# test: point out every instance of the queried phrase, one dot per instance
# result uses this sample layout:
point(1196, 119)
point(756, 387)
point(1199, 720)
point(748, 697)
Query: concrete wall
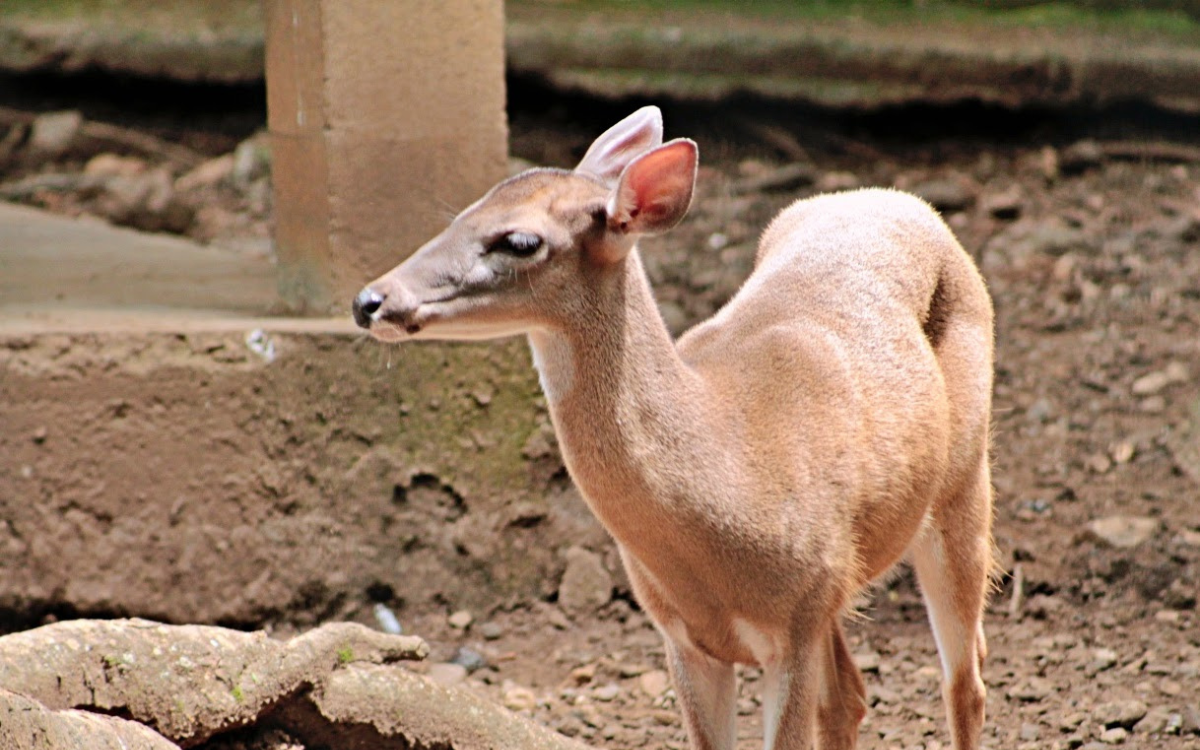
point(387, 118)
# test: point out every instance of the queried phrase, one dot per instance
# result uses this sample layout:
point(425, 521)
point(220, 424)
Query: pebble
point(1080, 157)
point(1153, 382)
point(654, 683)
point(1055, 240)
point(583, 675)
point(586, 584)
point(461, 620)
point(1123, 713)
point(1189, 721)
point(607, 693)
point(1029, 732)
point(491, 631)
point(1113, 736)
point(1033, 691)
point(517, 698)
point(1102, 659)
point(53, 133)
point(947, 195)
point(867, 662)
point(1123, 532)
point(1154, 722)
point(387, 620)
point(469, 659)
point(1006, 205)
point(207, 174)
point(447, 674)
point(112, 165)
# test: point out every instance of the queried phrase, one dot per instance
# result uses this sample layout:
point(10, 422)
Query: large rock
point(335, 686)
point(26, 724)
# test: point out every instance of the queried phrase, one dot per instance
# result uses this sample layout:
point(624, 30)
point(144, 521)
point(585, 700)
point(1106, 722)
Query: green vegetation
point(1175, 18)
point(345, 655)
point(237, 693)
point(144, 15)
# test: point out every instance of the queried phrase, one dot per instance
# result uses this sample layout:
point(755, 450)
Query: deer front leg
point(706, 690)
point(791, 689)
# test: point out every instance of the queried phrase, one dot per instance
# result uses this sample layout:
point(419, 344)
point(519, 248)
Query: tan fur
point(761, 471)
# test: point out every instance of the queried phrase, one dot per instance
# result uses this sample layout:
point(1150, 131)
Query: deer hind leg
point(842, 701)
point(707, 693)
point(953, 561)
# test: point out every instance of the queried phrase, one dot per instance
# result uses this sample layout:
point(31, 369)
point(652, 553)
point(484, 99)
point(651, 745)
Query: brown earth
point(1091, 253)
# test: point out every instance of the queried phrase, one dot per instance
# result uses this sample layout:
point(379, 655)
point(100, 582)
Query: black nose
point(365, 305)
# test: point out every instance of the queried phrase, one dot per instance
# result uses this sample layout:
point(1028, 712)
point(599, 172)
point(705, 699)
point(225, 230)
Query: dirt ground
point(1091, 249)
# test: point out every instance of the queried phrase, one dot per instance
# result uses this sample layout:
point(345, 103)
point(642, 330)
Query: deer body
point(761, 471)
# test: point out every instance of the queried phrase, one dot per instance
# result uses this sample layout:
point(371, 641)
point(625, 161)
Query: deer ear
point(622, 143)
point(655, 190)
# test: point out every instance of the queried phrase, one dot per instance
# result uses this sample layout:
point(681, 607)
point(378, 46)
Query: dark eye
point(520, 244)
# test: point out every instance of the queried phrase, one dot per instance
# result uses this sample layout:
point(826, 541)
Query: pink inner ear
point(659, 181)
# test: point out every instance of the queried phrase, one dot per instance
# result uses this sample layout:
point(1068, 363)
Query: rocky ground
point(1089, 242)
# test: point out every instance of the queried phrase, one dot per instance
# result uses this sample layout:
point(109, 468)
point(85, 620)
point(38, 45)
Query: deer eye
point(520, 244)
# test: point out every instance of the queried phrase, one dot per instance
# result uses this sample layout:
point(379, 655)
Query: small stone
point(1056, 240)
point(54, 133)
point(461, 620)
point(1099, 463)
point(1040, 411)
point(867, 662)
point(654, 683)
point(880, 694)
point(583, 675)
point(517, 698)
point(1122, 452)
point(1189, 722)
point(1029, 732)
point(1168, 616)
point(607, 693)
point(1124, 713)
point(1080, 157)
point(1033, 691)
point(469, 659)
point(1123, 532)
point(1006, 205)
point(833, 182)
point(1102, 659)
point(387, 620)
point(1072, 721)
point(208, 174)
point(557, 619)
point(948, 194)
point(1154, 722)
point(628, 669)
point(1153, 382)
point(491, 631)
point(586, 584)
point(1153, 405)
point(111, 165)
point(447, 675)
point(1113, 736)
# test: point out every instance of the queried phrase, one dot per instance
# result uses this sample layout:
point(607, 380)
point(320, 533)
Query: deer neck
point(628, 412)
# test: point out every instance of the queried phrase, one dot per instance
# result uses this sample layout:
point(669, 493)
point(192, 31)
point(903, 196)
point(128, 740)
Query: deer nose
point(366, 304)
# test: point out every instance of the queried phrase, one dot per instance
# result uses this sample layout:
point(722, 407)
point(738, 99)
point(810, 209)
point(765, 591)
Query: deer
point(762, 471)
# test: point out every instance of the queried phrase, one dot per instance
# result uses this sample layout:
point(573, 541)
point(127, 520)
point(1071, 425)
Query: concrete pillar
point(386, 119)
